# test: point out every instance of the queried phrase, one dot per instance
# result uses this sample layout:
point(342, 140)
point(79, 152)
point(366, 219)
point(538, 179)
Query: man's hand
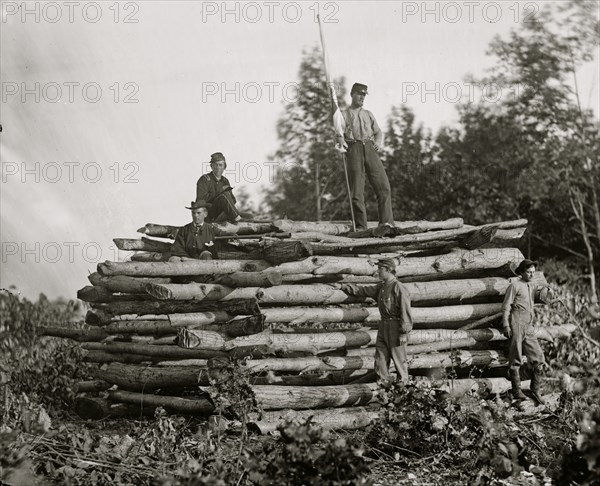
point(376, 147)
point(507, 331)
point(341, 146)
point(346, 288)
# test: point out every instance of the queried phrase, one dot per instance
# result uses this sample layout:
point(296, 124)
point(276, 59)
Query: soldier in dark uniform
point(362, 140)
point(196, 240)
point(393, 300)
point(215, 189)
point(518, 326)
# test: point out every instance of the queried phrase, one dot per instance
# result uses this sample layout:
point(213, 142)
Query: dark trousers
point(362, 160)
point(222, 209)
point(391, 345)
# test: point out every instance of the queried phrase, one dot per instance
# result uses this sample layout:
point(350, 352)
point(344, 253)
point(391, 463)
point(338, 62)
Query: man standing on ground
point(362, 140)
point(393, 300)
point(518, 326)
point(215, 189)
point(195, 241)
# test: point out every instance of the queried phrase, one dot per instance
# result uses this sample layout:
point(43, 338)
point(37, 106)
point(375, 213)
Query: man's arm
point(362, 290)
point(506, 308)
point(404, 310)
point(203, 188)
point(178, 248)
point(377, 133)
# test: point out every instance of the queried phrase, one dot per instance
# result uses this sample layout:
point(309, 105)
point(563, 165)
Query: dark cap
point(387, 263)
point(524, 265)
point(199, 203)
point(359, 88)
point(216, 157)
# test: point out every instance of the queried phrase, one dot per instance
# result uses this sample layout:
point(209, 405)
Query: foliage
point(305, 454)
point(309, 183)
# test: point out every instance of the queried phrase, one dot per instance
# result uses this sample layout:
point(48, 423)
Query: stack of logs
point(160, 330)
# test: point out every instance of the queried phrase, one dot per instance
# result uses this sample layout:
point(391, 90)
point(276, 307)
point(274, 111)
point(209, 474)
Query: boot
point(535, 386)
point(515, 380)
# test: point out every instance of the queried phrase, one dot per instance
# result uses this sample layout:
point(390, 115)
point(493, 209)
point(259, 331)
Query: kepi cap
point(359, 88)
point(216, 157)
point(387, 263)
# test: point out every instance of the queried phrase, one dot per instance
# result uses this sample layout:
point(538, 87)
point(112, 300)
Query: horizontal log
point(296, 316)
point(195, 406)
point(328, 419)
point(240, 228)
point(89, 408)
point(105, 357)
point(149, 257)
point(145, 244)
point(458, 359)
point(232, 306)
point(123, 283)
point(85, 334)
point(274, 397)
point(162, 351)
point(249, 279)
point(139, 378)
point(181, 269)
point(335, 228)
point(91, 293)
point(443, 290)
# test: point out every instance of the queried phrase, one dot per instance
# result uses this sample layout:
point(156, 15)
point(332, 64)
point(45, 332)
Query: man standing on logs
point(362, 140)
point(518, 316)
point(215, 189)
point(393, 300)
point(195, 241)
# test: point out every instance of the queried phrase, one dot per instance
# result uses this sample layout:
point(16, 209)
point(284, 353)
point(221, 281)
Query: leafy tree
point(309, 183)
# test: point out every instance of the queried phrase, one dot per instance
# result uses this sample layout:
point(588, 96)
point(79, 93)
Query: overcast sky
point(110, 111)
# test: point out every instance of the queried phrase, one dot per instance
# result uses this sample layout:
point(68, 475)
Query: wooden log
point(123, 283)
point(163, 351)
point(478, 238)
point(481, 322)
point(282, 251)
point(328, 419)
point(195, 406)
point(77, 334)
point(420, 292)
point(91, 386)
point(105, 357)
point(240, 228)
point(181, 269)
point(232, 306)
point(274, 397)
point(145, 244)
point(89, 408)
point(249, 279)
point(149, 257)
point(91, 293)
point(140, 378)
point(462, 358)
point(338, 228)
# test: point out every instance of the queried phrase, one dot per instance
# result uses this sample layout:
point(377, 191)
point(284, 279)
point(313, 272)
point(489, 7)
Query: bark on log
point(195, 406)
point(435, 360)
point(145, 244)
point(421, 292)
point(240, 228)
point(99, 408)
point(249, 279)
point(123, 283)
point(91, 293)
point(140, 378)
point(481, 322)
point(105, 357)
point(181, 269)
point(162, 351)
point(338, 228)
point(86, 334)
point(232, 306)
point(278, 251)
point(149, 257)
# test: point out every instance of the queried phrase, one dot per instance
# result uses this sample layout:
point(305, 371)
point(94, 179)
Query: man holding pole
point(362, 139)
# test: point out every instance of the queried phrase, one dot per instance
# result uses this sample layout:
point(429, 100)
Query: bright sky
point(110, 110)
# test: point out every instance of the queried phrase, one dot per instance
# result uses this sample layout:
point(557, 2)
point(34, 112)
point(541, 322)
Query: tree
point(309, 181)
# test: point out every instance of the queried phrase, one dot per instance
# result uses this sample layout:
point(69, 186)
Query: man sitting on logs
point(518, 316)
point(195, 241)
point(215, 189)
point(393, 300)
